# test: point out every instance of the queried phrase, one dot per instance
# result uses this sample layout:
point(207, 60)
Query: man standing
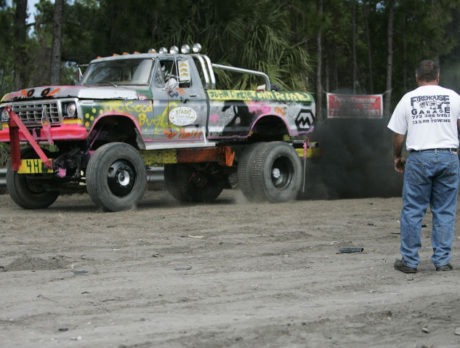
point(430, 116)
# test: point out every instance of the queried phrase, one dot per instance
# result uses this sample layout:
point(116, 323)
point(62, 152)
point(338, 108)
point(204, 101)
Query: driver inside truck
point(165, 76)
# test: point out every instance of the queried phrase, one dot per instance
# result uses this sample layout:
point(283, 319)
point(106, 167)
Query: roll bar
point(208, 71)
point(246, 71)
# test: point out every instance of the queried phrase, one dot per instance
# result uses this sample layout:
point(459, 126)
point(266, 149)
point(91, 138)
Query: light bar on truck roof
point(185, 49)
point(196, 48)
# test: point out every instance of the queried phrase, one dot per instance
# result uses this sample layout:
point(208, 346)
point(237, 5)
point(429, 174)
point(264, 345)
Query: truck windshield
point(118, 72)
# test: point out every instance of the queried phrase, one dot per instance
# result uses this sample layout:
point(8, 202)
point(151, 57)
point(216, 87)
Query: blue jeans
point(430, 177)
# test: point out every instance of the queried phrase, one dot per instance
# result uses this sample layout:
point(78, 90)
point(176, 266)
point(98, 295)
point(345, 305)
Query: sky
point(31, 10)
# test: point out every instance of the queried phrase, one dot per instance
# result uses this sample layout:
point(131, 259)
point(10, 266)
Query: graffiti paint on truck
point(169, 123)
point(260, 95)
point(141, 111)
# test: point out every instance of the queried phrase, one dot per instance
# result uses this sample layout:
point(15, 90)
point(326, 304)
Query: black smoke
point(355, 160)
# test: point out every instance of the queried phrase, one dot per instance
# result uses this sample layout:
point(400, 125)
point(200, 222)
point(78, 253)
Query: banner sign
point(354, 106)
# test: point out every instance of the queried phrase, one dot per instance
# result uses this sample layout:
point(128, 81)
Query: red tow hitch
point(16, 125)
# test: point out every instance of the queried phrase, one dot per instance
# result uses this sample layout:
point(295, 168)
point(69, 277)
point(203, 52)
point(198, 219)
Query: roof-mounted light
point(185, 49)
point(163, 50)
point(196, 48)
point(174, 50)
point(152, 50)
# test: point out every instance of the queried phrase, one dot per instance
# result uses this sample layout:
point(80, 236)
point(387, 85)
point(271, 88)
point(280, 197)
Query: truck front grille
point(31, 113)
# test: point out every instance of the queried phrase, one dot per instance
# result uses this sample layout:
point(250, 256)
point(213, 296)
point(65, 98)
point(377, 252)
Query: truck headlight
point(70, 110)
point(4, 117)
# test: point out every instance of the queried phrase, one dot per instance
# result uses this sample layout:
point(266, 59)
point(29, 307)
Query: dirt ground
point(227, 274)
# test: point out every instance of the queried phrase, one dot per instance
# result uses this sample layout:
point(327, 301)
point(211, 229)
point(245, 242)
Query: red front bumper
point(61, 132)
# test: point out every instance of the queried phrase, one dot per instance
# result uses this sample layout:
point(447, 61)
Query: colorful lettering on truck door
point(179, 101)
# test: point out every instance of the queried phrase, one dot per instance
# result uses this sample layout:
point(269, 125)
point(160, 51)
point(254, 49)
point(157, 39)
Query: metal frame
point(203, 68)
point(16, 126)
point(246, 71)
point(211, 71)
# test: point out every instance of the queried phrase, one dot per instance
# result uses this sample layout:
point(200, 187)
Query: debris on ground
point(350, 250)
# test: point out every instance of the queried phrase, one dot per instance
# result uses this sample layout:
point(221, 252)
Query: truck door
point(179, 105)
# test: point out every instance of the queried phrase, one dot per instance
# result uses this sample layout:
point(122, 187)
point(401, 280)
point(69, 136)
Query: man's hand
point(399, 164)
point(398, 160)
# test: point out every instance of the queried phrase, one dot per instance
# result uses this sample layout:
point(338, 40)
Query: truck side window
point(168, 73)
point(165, 72)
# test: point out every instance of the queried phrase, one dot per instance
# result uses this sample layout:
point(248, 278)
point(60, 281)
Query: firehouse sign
point(354, 106)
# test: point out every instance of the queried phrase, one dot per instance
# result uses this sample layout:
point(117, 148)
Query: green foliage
point(277, 37)
point(6, 41)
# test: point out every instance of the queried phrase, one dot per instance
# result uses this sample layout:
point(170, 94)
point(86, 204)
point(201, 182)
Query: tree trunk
point(387, 106)
point(353, 28)
point(404, 38)
point(319, 86)
point(19, 45)
point(369, 47)
point(336, 76)
point(154, 30)
point(55, 69)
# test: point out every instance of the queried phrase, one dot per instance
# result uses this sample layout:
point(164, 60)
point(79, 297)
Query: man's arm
point(398, 161)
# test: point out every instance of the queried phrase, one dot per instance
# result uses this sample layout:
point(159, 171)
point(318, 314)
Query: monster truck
point(134, 111)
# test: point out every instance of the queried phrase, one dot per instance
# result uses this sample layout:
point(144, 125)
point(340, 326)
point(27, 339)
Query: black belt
point(442, 149)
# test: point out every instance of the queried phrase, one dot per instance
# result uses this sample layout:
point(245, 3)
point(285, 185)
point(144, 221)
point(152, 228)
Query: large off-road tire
point(116, 177)
point(29, 191)
point(275, 173)
point(187, 183)
point(245, 163)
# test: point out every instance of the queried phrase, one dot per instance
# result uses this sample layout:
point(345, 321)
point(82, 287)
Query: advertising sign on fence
point(354, 105)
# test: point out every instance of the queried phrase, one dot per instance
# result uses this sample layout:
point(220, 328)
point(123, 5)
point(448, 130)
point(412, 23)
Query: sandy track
point(219, 275)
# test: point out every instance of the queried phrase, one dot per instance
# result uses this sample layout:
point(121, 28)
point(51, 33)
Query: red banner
point(354, 106)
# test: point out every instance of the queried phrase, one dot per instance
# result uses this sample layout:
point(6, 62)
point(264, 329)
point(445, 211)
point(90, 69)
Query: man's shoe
point(400, 266)
point(447, 267)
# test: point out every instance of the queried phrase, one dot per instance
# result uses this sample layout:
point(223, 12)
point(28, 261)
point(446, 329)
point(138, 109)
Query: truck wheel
point(275, 173)
point(244, 170)
point(28, 191)
point(116, 177)
point(189, 184)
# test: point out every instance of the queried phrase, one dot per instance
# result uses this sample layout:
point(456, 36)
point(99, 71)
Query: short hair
point(427, 70)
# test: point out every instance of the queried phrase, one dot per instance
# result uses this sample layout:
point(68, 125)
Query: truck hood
point(81, 92)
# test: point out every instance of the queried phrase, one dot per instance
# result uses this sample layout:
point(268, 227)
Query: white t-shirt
point(429, 116)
